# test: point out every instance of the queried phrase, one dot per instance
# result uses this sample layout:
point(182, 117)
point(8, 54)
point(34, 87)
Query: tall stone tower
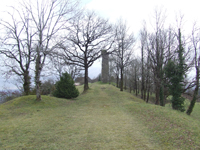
point(105, 66)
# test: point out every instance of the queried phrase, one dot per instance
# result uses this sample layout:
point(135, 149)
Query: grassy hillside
point(102, 118)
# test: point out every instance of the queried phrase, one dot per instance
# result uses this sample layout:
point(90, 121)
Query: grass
point(102, 118)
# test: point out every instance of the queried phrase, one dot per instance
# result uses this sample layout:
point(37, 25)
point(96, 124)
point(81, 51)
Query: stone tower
point(105, 66)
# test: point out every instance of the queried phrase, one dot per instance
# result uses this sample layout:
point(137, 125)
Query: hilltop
point(102, 118)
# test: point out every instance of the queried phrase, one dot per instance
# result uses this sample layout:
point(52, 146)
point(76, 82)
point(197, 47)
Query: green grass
point(102, 118)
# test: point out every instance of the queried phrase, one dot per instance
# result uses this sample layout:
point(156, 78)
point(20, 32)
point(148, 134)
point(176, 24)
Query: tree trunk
point(37, 82)
point(86, 87)
point(136, 88)
point(148, 78)
point(142, 86)
point(136, 84)
point(148, 94)
point(141, 93)
point(117, 81)
point(162, 95)
point(157, 92)
point(38, 69)
point(192, 103)
point(147, 89)
point(136, 91)
point(144, 94)
point(121, 86)
point(38, 95)
point(27, 83)
point(125, 82)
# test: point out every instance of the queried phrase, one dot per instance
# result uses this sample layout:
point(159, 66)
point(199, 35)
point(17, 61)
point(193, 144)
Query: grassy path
point(106, 124)
point(101, 119)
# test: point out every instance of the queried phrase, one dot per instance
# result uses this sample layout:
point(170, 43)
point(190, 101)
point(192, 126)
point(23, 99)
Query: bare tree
point(158, 58)
point(160, 50)
point(114, 68)
point(134, 75)
point(195, 39)
point(48, 18)
point(73, 70)
point(143, 39)
point(60, 66)
point(124, 47)
point(89, 34)
point(148, 77)
point(17, 45)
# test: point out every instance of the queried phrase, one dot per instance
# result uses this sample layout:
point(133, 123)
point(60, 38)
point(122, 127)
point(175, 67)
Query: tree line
point(60, 34)
point(166, 58)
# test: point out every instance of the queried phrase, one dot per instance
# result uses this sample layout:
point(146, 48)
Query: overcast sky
point(134, 12)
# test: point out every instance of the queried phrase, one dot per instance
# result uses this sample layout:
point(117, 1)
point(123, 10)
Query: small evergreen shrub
point(65, 87)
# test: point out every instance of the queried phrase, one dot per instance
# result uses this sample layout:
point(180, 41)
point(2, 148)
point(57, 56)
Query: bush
point(65, 88)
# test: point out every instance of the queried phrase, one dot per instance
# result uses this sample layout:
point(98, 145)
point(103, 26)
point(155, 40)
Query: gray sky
point(134, 12)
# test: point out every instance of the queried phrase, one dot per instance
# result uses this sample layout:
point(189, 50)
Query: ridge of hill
point(102, 118)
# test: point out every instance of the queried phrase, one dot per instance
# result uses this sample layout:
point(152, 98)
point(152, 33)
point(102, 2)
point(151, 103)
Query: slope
point(102, 118)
